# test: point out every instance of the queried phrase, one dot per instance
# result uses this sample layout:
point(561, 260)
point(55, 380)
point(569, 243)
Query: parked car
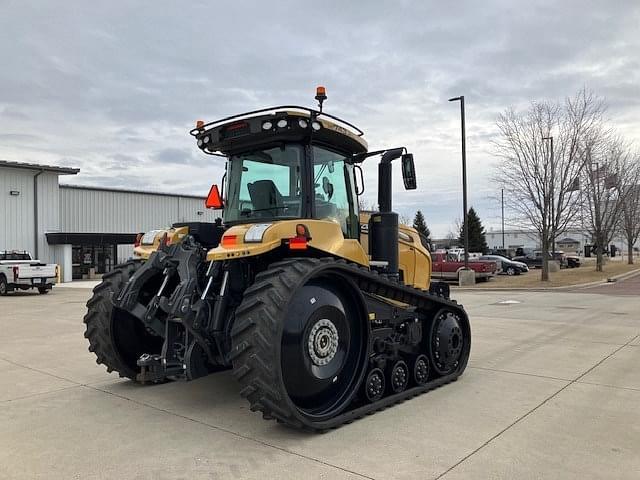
point(18, 271)
point(507, 266)
point(508, 253)
point(447, 267)
point(573, 261)
point(534, 259)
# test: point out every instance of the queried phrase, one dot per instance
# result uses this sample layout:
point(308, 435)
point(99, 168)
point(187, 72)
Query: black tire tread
point(255, 337)
point(98, 319)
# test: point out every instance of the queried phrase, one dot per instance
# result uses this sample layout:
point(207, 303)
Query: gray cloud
point(113, 88)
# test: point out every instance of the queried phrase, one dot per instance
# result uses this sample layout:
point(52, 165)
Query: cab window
point(333, 190)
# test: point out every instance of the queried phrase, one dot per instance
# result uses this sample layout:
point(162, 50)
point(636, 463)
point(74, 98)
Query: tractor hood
point(248, 240)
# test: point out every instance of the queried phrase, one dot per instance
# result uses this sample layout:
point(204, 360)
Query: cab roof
point(276, 125)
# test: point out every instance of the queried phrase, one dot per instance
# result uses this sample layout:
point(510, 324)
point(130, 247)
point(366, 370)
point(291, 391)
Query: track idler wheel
point(374, 385)
point(447, 342)
point(398, 377)
point(421, 370)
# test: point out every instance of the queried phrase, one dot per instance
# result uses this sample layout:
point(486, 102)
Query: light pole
point(464, 181)
point(502, 196)
point(553, 199)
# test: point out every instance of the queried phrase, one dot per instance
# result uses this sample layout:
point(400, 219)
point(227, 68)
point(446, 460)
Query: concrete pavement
point(551, 391)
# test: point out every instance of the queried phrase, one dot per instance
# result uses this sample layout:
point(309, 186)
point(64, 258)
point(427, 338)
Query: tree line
point(477, 235)
point(562, 165)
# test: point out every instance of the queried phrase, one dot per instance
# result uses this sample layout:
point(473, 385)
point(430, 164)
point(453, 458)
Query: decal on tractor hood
point(256, 232)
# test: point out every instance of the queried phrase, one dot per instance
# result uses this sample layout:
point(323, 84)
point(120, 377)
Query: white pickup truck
point(18, 271)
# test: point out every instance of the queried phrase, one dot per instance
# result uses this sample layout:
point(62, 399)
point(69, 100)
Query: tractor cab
point(292, 163)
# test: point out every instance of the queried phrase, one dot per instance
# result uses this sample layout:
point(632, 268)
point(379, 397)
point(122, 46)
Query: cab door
point(406, 257)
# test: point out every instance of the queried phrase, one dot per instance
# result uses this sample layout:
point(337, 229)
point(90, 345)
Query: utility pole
point(464, 181)
point(502, 196)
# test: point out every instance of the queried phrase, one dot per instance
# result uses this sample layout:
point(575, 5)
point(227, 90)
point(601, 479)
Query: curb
point(621, 276)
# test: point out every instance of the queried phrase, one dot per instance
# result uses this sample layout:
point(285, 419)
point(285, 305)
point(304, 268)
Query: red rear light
point(297, 243)
point(229, 240)
point(15, 274)
point(138, 240)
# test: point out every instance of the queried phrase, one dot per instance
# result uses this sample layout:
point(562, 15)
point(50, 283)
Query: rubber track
point(256, 337)
point(98, 318)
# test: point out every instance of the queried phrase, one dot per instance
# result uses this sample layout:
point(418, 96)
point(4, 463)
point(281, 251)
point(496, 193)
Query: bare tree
point(604, 191)
point(630, 217)
point(363, 207)
point(542, 188)
point(405, 220)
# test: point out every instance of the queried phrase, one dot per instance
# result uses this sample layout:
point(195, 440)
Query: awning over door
point(60, 238)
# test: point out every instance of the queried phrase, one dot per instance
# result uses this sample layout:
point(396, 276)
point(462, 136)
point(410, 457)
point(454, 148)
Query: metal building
point(85, 230)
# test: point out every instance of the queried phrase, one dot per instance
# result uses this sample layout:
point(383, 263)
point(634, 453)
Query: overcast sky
point(113, 87)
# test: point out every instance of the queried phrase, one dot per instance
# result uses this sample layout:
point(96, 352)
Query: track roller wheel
point(374, 385)
point(421, 370)
point(398, 377)
point(449, 342)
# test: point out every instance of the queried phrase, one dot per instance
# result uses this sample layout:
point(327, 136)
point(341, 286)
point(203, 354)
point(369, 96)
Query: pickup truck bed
point(25, 274)
point(447, 268)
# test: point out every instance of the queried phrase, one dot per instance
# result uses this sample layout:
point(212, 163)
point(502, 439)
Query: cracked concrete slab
point(54, 428)
point(585, 432)
point(84, 433)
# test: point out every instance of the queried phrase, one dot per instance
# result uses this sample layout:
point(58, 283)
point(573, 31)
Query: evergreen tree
point(420, 225)
point(477, 238)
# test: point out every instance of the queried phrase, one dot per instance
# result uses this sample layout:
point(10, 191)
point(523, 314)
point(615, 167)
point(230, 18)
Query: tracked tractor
point(324, 313)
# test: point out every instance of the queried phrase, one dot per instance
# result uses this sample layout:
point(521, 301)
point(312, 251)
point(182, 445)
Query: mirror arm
point(224, 177)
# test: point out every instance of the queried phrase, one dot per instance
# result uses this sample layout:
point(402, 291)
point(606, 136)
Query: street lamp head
point(547, 138)
point(454, 99)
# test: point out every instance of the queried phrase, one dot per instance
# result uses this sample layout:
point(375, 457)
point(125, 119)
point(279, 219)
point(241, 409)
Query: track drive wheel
point(117, 338)
point(449, 342)
point(299, 342)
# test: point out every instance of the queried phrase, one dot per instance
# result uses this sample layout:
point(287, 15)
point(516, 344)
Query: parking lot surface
point(552, 391)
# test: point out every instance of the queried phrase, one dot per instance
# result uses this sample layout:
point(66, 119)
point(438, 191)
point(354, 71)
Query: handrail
point(311, 112)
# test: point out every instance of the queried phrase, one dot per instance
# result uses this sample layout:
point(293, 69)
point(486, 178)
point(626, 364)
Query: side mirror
point(359, 180)
point(408, 172)
point(214, 200)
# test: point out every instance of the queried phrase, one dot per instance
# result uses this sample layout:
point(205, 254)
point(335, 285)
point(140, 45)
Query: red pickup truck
point(446, 267)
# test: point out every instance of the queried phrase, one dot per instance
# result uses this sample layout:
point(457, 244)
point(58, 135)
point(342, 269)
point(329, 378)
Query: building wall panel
point(48, 213)
point(16, 211)
point(94, 211)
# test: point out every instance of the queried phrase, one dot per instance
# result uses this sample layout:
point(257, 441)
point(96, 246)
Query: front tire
point(511, 271)
point(116, 338)
point(43, 290)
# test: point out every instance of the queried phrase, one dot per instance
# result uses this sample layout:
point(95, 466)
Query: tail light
point(138, 240)
point(229, 240)
point(15, 274)
point(297, 243)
